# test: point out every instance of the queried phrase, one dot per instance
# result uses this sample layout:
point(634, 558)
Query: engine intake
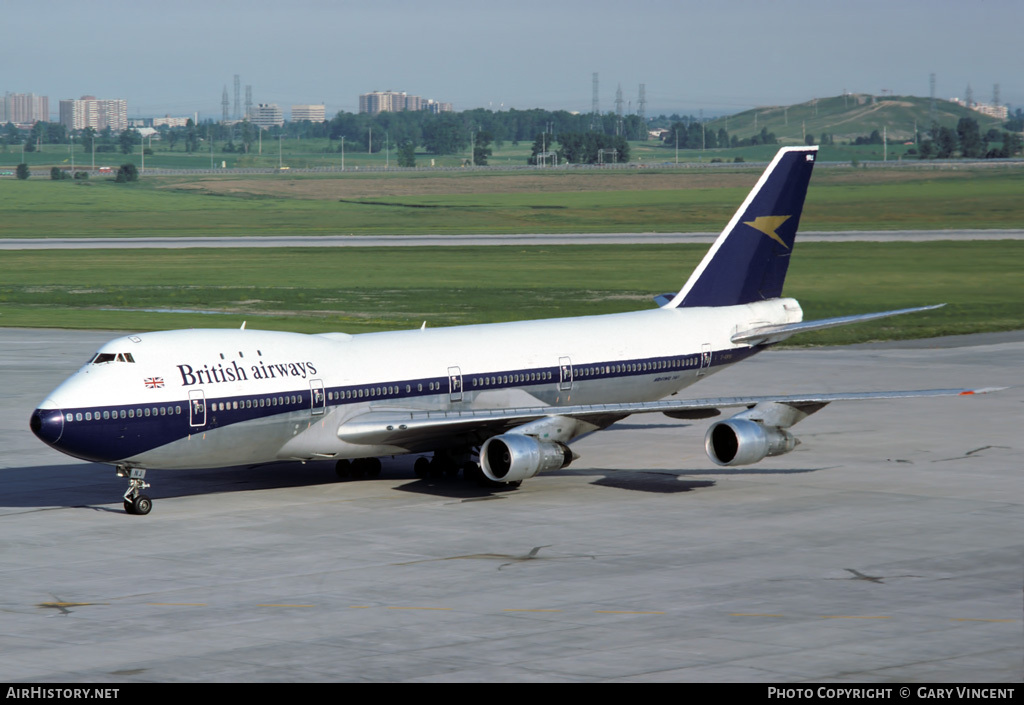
point(514, 457)
point(739, 441)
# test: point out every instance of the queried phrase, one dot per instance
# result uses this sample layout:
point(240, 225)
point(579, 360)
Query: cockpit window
point(100, 358)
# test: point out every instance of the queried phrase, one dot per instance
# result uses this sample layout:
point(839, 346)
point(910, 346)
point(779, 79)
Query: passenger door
point(196, 408)
point(317, 397)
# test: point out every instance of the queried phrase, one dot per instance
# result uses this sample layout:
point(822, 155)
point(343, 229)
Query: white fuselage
point(209, 398)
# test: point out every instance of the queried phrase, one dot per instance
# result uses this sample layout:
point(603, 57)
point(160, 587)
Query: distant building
point(266, 115)
point(394, 102)
point(24, 108)
point(171, 121)
point(433, 106)
point(313, 113)
point(997, 111)
point(97, 114)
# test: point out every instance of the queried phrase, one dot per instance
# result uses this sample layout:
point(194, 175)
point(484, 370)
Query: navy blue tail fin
point(748, 261)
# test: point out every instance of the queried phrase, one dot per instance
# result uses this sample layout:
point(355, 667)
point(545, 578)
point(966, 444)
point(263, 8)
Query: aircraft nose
point(47, 424)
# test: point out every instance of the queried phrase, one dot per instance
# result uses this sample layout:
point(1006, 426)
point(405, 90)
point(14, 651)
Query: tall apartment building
point(24, 108)
point(393, 102)
point(266, 115)
point(313, 113)
point(97, 114)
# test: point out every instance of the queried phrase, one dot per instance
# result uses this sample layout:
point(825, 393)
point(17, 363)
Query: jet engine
point(514, 457)
point(739, 441)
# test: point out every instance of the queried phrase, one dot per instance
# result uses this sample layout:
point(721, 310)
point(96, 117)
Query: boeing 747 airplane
point(512, 395)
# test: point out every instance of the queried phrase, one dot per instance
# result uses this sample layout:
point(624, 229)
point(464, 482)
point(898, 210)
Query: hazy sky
point(177, 56)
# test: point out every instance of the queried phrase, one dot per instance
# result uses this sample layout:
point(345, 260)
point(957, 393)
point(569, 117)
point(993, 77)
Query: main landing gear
point(449, 462)
point(357, 469)
point(134, 501)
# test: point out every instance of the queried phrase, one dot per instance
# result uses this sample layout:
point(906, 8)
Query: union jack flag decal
point(154, 382)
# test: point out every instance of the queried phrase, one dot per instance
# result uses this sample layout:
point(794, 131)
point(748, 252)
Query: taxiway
point(888, 547)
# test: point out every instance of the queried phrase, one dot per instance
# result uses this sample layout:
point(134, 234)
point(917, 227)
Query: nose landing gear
point(134, 501)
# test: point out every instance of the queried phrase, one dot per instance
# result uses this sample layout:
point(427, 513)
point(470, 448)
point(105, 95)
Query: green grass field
point(366, 289)
point(979, 198)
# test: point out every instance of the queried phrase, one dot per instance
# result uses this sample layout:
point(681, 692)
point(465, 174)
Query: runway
point(889, 546)
point(442, 240)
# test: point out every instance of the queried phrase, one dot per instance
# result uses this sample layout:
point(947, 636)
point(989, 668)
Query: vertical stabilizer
point(748, 261)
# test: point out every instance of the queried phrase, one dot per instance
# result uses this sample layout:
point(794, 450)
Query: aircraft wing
point(774, 334)
point(420, 430)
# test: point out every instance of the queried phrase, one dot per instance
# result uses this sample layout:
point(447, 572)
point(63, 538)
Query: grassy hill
point(848, 117)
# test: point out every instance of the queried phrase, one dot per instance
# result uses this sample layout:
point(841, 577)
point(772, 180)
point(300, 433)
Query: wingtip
point(983, 390)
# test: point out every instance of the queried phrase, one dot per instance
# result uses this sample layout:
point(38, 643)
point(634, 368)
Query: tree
point(541, 145)
point(127, 140)
point(191, 137)
point(407, 154)
point(22, 171)
point(56, 133)
point(444, 134)
point(37, 132)
point(970, 138)
point(12, 135)
point(592, 147)
point(126, 173)
point(58, 174)
point(1011, 144)
point(248, 135)
point(945, 141)
point(481, 150)
point(88, 138)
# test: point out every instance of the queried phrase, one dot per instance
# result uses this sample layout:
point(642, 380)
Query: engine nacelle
point(738, 441)
point(514, 457)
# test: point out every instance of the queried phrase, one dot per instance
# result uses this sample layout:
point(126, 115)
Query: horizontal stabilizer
point(765, 335)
